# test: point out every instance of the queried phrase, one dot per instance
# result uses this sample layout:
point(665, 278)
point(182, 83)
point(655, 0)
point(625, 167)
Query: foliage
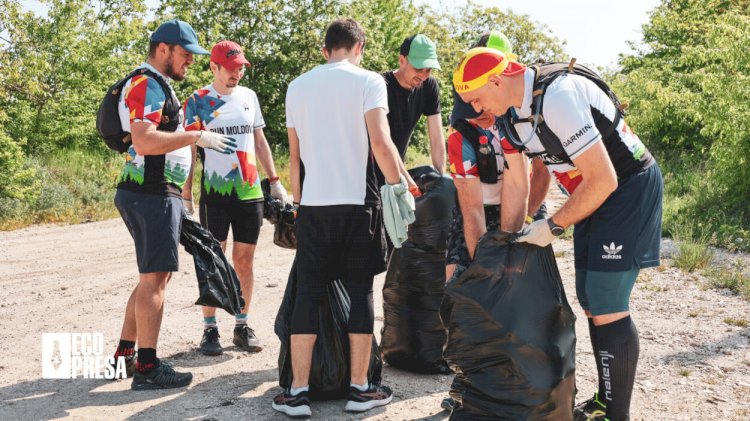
point(689, 95)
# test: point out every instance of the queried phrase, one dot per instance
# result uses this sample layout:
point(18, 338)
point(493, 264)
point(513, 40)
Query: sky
point(596, 31)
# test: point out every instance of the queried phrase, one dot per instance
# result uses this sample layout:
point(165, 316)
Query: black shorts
point(339, 242)
point(154, 222)
point(456, 252)
point(245, 218)
point(625, 231)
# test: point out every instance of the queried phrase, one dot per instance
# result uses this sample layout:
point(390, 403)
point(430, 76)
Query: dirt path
point(695, 357)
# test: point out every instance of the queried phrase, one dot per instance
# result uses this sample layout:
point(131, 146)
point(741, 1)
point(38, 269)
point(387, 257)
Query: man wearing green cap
point(149, 193)
point(412, 93)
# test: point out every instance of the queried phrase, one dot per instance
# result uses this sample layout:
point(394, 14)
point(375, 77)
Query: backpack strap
point(486, 163)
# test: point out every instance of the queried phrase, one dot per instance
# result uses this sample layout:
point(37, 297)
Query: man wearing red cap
point(230, 184)
point(574, 124)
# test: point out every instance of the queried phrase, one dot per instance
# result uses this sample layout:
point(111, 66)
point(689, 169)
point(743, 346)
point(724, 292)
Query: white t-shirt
point(572, 104)
point(233, 176)
point(326, 106)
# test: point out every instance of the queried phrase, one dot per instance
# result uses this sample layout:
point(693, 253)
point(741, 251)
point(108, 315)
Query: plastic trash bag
point(413, 336)
point(281, 215)
point(218, 284)
point(330, 374)
point(511, 337)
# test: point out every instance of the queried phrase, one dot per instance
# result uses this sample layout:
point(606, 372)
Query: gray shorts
point(154, 222)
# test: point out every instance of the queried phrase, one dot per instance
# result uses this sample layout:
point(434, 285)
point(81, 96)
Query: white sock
point(298, 390)
point(361, 387)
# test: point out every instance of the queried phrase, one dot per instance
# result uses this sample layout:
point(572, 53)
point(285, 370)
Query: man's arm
point(540, 180)
point(472, 209)
point(515, 192)
point(294, 164)
point(382, 145)
point(263, 152)
point(437, 142)
point(599, 181)
point(149, 141)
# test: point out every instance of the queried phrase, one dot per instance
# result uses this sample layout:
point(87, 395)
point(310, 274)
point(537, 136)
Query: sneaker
point(592, 409)
point(448, 404)
point(373, 397)
point(129, 366)
point(210, 342)
point(293, 405)
point(244, 337)
point(161, 377)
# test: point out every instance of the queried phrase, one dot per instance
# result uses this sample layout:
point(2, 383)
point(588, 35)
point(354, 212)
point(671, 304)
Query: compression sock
point(595, 346)
point(209, 322)
point(125, 349)
point(146, 360)
point(240, 320)
point(618, 355)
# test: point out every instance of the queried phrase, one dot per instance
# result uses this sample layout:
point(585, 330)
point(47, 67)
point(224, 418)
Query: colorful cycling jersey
point(237, 115)
point(462, 161)
point(574, 108)
point(142, 100)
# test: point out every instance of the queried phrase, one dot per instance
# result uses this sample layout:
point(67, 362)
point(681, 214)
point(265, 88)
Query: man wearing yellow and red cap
point(615, 189)
point(231, 194)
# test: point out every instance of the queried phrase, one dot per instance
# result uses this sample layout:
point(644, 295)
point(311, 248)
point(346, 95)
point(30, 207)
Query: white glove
point(537, 233)
point(279, 192)
point(188, 205)
point(217, 142)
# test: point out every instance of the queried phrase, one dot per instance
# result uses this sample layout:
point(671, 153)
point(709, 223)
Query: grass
point(693, 252)
point(736, 279)
point(735, 322)
point(684, 372)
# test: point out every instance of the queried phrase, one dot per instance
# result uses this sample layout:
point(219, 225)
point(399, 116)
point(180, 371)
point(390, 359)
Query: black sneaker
point(244, 337)
point(448, 404)
point(129, 366)
point(373, 397)
point(293, 405)
point(210, 342)
point(161, 377)
point(590, 410)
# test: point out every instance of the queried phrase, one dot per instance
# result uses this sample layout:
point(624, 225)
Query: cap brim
point(462, 110)
point(424, 63)
point(195, 49)
point(233, 64)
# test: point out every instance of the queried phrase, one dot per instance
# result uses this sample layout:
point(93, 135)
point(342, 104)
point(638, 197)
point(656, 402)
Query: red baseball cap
point(228, 54)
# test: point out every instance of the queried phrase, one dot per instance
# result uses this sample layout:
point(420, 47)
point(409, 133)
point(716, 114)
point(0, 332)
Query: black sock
point(618, 355)
point(146, 360)
point(595, 346)
point(125, 348)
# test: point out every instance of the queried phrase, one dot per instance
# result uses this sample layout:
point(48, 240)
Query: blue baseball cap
point(177, 32)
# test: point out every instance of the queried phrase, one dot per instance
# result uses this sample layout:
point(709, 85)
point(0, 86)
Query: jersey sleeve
point(462, 159)
point(145, 100)
point(192, 117)
point(258, 121)
point(432, 97)
point(568, 115)
point(376, 94)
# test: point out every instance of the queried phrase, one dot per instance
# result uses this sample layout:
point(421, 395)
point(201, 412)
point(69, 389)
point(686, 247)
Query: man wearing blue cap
point(149, 193)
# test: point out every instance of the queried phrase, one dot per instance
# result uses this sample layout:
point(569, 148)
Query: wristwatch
point(555, 229)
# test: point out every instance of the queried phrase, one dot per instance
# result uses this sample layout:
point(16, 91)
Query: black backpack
point(108, 118)
point(545, 74)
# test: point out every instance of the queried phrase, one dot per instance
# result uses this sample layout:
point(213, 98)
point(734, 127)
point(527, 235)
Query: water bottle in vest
point(485, 156)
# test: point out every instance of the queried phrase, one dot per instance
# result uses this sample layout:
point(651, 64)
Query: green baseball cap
point(420, 51)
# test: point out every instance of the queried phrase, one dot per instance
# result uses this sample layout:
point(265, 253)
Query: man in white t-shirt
point(331, 110)
point(230, 184)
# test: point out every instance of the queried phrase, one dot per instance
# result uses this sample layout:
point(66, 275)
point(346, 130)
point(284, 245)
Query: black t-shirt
point(406, 106)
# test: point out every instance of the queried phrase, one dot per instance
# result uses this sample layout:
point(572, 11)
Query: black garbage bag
point(413, 336)
point(281, 215)
point(511, 337)
point(218, 284)
point(330, 374)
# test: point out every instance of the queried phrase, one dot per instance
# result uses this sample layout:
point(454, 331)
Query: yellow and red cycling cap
point(479, 64)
